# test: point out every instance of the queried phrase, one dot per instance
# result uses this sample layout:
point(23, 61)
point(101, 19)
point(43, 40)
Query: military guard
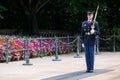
point(88, 32)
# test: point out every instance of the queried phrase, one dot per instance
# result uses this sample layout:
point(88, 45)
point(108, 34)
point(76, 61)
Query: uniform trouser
point(89, 56)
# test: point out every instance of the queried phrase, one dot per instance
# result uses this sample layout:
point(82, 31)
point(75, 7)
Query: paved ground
point(107, 67)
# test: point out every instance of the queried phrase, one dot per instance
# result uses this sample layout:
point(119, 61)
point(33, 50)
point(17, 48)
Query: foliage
point(2, 8)
point(60, 15)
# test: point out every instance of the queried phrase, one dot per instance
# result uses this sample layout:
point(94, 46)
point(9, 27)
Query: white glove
point(92, 31)
point(82, 45)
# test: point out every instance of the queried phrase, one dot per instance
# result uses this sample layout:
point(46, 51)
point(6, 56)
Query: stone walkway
point(107, 67)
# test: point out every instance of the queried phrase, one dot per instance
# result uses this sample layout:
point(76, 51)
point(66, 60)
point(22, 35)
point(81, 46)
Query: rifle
point(94, 20)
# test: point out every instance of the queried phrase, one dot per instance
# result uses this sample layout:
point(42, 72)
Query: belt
point(88, 33)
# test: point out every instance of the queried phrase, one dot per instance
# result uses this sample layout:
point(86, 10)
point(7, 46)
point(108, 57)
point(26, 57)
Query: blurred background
point(60, 18)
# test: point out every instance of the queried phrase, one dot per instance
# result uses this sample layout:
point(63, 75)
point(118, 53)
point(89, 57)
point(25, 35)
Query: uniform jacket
point(86, 27)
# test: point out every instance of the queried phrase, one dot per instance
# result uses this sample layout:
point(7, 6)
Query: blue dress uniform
point(88, 40)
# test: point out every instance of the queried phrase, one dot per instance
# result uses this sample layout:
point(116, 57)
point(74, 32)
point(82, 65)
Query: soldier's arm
point(82, 32)
point(97, 30)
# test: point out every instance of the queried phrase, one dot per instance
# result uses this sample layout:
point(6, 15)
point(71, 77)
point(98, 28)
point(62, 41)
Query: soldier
point(88, 32)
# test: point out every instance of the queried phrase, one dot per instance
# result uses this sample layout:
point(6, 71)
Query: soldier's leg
point(92, 57)
point(87, 56)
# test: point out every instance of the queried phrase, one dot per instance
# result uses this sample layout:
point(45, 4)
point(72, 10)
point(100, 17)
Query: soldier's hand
point(82, 45)
point(92, 31)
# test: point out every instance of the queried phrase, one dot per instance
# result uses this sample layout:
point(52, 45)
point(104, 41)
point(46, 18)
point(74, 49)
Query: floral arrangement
point(16, 46)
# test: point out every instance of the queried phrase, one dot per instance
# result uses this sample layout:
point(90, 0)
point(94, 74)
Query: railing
point(27, 46)
point(7, 31)
point(52, 33)
point(108, 43)
point(56, 43)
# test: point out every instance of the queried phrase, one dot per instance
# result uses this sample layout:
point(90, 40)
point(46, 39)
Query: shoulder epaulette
point(83, 21)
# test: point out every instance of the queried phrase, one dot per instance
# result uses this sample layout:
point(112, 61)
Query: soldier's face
point(90, 16)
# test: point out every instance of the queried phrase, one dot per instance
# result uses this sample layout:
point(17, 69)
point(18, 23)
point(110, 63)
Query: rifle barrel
point(96, 13)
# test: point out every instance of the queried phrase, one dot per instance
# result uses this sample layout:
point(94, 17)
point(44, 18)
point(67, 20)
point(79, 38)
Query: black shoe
point(91, 71)
point(87, 70)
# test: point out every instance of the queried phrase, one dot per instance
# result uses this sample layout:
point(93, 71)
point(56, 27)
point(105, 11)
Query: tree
point(31, 8)
point(2, 9)
point(68, 14)
point(59, 14)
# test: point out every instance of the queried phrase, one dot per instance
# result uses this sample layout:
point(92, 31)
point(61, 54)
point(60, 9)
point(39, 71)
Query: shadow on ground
point(77, 75)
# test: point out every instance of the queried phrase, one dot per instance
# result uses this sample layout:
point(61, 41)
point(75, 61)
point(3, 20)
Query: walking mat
point(77, 75)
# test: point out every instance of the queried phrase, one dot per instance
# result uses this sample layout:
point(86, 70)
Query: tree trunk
point(34, 26)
